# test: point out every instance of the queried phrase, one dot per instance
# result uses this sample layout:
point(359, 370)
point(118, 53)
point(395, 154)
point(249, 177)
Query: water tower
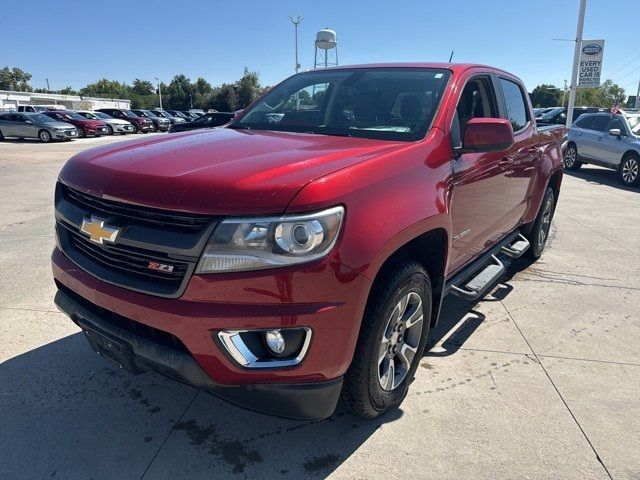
point(326, 49)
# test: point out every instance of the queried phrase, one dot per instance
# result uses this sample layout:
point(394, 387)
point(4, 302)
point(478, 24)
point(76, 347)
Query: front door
point(610, 148)
point(479, 179)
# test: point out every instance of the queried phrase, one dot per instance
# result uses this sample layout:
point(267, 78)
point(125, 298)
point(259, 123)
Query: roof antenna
point(451, 56)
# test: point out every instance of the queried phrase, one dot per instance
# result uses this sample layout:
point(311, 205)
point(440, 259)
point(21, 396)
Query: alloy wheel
point(400, 340)
point(44, 136)
point(570, 157)
point(630, 170)
point(545, 225)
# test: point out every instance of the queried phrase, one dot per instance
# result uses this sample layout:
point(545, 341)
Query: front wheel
point(81, 132)
point(571, 161)
point(540, 231)
point(391, 341)
point(109, 130)
point(44, 136)
point(629, 170)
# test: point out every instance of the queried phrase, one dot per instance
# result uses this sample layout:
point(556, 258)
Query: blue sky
point(77, 42)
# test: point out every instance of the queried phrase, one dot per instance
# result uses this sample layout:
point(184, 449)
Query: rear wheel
point(44, 136)
point(629, 170)
point(571, 161)
point(81, 132)
point(542, 225)
point(391, 342)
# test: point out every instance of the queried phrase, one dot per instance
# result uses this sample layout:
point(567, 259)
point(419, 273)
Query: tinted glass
point(129, 113)
point(516, 107)
point(599, 122)
point(102, 115)
point(39, 118)
point(584, 122)
point(617, 123)
point(390, 104)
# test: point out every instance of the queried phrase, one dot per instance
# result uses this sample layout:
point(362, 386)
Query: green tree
point(68, 91)
point(14, 79)
point(179, 93)
point(248, 88)
point(546, 95)
point(225, 98)
point(105, 88)
point(142, 87)
point(603, 96)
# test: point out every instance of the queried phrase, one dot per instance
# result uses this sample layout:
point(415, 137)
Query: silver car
point(35, 125)
point(611, 141)
point(114, 125)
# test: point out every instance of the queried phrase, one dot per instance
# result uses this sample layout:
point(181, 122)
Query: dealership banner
point(591, 52)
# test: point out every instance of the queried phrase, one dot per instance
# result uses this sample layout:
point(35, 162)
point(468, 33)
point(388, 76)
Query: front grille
point(138, 214)
point(128, 260)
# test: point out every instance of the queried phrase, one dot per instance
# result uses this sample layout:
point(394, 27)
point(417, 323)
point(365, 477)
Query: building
point(10, 100)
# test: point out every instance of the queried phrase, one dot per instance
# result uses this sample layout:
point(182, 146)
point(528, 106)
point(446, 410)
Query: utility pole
point(564, 93)
point(48, 89)
point(296, 21)
point(638, 96)
point(159, 92)
point(576, 61)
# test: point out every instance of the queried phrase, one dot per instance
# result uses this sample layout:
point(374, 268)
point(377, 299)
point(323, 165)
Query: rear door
point(27, 127)
point(479, 179)
point(523, 156)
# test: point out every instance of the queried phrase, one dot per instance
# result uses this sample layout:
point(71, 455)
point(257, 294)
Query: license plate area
point(112, 348)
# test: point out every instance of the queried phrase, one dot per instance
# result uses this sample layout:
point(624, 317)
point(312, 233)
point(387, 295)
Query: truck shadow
point(600, 176)
point(459, 319)
point(67, 413)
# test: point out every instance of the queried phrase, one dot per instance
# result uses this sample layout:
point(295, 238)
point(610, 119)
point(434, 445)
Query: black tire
point(45, 136)
point(629, 170)
point(135, 128)
point(571, 159)
point(542, 224)
point(109, 130)
point(363, 393)
point(1, 136)
point(81, 132)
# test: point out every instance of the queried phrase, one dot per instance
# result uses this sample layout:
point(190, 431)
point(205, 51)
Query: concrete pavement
point(539, 380)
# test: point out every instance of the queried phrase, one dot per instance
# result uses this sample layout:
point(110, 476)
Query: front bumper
point(97, 131)
point(123, 128)
point(63, 134)
point(326, 297)
point(136, 353)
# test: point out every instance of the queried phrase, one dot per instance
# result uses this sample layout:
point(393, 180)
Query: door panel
point(612, 148)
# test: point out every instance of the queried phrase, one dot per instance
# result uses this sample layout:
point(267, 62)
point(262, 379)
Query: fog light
point(275, 341)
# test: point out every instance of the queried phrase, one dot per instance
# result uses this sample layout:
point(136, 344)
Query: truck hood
point(216, 171)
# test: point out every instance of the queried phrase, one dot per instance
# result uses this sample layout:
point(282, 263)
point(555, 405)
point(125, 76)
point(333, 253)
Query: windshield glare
point(102, 115)
point(390, 104)
point(634, 123)
point(129, 113)
point(74, 115)
point(552, 113)
point(39, 118)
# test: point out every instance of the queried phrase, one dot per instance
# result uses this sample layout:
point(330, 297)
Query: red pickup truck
point(303, 251)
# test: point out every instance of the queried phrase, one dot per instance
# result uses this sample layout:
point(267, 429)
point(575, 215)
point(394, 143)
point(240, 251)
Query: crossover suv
point(608, 141)
point(35, 125)
point(159, 124)
point(172, 118)
point(140, 125)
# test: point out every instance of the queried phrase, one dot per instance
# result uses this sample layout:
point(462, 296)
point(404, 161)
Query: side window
point(617, 122)
point(478, 100)
point(584, 122)
point(599, 122)
point(517, 112)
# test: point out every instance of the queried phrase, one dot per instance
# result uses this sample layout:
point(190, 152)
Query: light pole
point(296, 21)
point(159, 92)
point(576, 60)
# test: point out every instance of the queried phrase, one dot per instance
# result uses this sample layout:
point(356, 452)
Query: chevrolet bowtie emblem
point(99, 232)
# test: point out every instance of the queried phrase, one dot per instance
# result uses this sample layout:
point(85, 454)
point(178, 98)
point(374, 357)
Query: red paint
point(392, 193)
point(89, 126)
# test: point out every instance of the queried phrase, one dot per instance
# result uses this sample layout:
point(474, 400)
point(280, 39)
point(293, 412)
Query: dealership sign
point(591, 52)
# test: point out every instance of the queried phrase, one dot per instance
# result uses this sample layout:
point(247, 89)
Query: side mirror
point(487, 135)
point(615, 132)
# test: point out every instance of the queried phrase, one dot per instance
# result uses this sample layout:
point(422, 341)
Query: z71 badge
point(161, 267)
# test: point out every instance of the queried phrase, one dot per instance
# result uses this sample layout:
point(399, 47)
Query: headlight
point(255, 243)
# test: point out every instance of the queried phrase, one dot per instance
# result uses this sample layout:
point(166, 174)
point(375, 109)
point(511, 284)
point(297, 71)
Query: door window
point(617, 122)
point(599, 122)
point(584, 122)
point(517, 112)
point(478, 100)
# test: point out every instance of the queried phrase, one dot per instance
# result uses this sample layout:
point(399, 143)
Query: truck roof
point(454, 67)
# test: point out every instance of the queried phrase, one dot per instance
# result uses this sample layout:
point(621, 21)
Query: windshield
point(74, 115)
point(140, 113)
point(102, 115)
point(39, 118)
point(389, 104)
point(89, 115)
point(634, 123)
point(129, 113)
point(552, 113)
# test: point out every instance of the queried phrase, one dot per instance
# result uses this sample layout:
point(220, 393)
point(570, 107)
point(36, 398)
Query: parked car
point(208, 120)
point(35, 108)
point(114, 125)
point(611, 141)
point(198, 111)
point(35, 125)
point(282, 265)
point(541, 111)
point(172, 118)
point(190, 115)
point(179, 114)
point(558, 115)
point(159, 124)
point(140, 125)
point(84, 125)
